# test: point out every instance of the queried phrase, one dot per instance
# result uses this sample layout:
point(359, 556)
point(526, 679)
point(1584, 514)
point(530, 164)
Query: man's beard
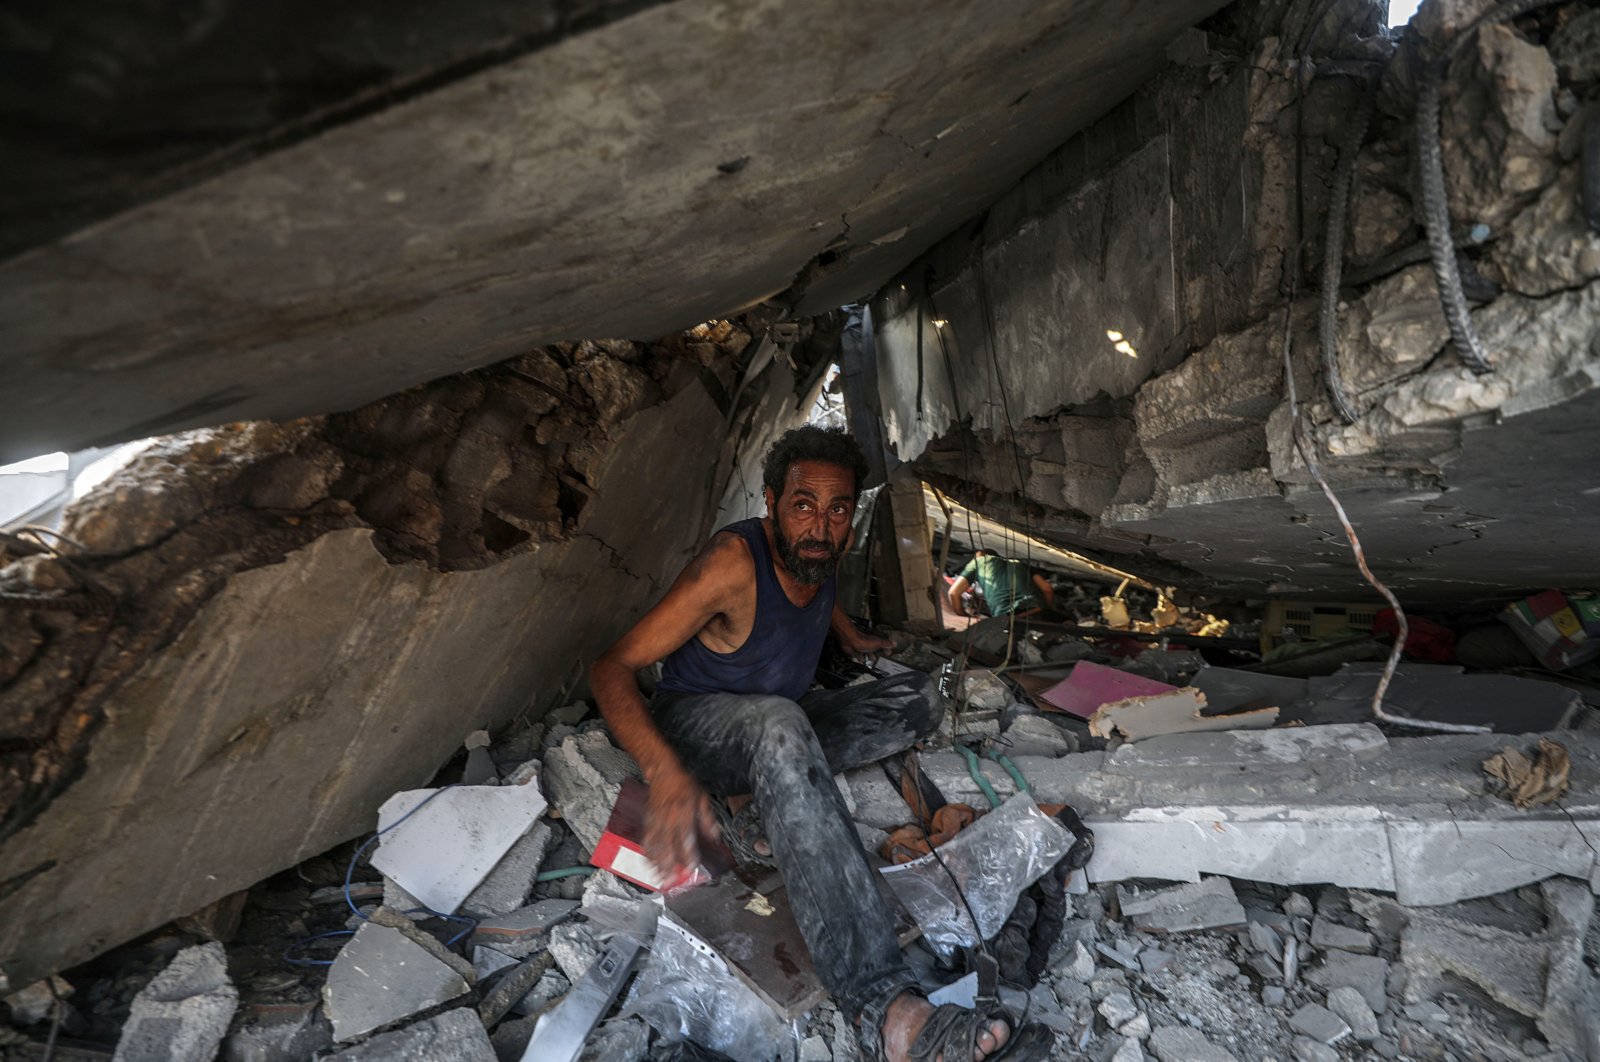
point(809, 570)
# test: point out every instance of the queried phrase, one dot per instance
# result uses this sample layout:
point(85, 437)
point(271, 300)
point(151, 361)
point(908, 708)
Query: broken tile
point(429, 943)
point(184, 1013)
point(1177, 1043)
point(1326, 933)
point(454, 1036)
point(1207, 904)
point(1177, 712)
point(523, 931)
point(1319, 1023)
point(447, 848)
point(1124, 959)
point(382, 976)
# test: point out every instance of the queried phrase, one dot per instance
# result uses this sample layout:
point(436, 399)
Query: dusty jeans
point(786, 753)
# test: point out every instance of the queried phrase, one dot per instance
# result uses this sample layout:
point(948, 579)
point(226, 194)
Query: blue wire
point(349, 877)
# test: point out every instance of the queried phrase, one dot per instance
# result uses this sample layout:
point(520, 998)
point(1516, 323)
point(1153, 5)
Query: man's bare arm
point(958, 588)
point(678, 806)
point(1046, 589)
point(852, 639)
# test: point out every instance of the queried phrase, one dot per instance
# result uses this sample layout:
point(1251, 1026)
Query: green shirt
point(1006, 584)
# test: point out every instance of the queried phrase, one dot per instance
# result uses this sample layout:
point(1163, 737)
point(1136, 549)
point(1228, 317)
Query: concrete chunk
point(1326, 933)
point(382, 976)
point(1206, 905)
point(1178, 1043)
point(583, 775)
point(454, 1036)
point(1348, 1004)
point(1367, 974)
point(183, 1014)
point(1319, 1023)
point(272, 1035)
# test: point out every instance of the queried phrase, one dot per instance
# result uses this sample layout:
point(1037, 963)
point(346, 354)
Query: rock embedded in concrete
point(184, 1013)
point(454, 1036)
point(382, 976)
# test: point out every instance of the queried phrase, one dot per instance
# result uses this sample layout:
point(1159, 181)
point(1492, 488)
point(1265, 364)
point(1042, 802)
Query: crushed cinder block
point(878, 801)
point(1367, 974)
point(1319, 1023)
point(1178, 712)
point(574, 949)
point(1179, 1043)
point(278, 1034)
point(1348, 1004)
point(446, 849)
point(1034, 735)
point(524, 931)
point(454, 1036)
point(609, 902)
point(583, 775)
point(1118, 1008)
point(184, 1013)
point(1209, 904)
point(382, 976)
point(984, 691)
point(1326, 933)
point(617, 1040)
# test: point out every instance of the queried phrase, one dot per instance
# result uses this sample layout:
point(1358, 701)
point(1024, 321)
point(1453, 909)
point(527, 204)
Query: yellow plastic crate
point(1314, 621)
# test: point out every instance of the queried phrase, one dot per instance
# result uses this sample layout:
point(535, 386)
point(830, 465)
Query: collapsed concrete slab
point(182, 1015)
point(1340, 804)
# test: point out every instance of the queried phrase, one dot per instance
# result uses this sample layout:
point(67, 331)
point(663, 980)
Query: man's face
point(811, 519)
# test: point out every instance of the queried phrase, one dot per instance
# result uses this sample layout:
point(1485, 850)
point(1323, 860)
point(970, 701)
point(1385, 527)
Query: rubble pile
point(476, 910)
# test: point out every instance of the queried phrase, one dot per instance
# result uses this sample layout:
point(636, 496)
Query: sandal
point(952, 1031)
point(742, 831)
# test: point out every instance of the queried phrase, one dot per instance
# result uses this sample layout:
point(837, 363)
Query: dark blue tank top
point(780, 656)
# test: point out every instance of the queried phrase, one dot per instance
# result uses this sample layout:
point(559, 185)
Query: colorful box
point(1562, 629)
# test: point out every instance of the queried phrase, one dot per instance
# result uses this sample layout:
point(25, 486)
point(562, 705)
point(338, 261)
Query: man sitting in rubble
point(740, 633)
point(1005, 586)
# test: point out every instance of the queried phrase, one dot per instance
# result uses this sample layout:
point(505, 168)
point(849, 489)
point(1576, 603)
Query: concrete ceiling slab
point(672, 166)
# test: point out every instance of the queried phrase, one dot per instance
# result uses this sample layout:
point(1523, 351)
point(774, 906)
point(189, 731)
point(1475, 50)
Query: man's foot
point(910, 1012)
point(748, 826)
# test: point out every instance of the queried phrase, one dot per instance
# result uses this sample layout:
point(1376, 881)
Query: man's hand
point(678, 812)
point(864, 644)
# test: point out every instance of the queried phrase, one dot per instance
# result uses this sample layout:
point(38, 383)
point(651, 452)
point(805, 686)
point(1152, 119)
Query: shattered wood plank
point(1178, 712)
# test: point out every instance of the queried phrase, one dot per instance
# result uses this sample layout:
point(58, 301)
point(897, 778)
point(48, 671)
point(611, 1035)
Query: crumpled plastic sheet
point(689, 994)
point(993, 861)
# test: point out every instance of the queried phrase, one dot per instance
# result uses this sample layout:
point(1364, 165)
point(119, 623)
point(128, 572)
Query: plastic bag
point(992, 860)
point(686, 992)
